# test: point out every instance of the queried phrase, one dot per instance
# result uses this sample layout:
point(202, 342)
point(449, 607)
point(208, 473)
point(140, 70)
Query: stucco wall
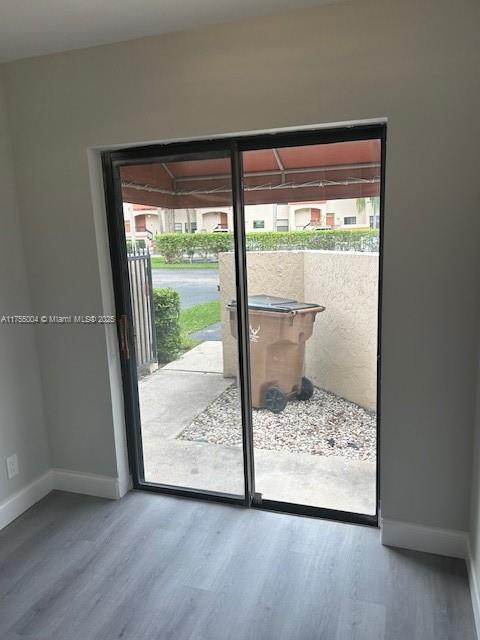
point(341, 354)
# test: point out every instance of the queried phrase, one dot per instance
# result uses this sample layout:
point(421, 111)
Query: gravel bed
point(325, 425)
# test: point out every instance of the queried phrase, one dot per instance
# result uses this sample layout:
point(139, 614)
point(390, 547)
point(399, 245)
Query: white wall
point(344, 208)
point(474, 533)
point(209, 220)
point(415, 63)
point(22, 420)
point(260, 212)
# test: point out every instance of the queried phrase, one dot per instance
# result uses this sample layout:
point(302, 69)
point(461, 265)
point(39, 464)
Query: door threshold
point(262, 505)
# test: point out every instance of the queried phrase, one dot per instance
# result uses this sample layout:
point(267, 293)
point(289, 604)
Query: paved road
point(212, 332)
point(193, 285)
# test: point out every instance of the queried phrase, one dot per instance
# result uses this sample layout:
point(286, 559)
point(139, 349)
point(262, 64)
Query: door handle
point(123, 329)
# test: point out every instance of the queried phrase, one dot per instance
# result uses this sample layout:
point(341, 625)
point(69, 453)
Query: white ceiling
point(36, 27)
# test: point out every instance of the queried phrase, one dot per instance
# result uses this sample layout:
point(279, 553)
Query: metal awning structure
point(309, 173)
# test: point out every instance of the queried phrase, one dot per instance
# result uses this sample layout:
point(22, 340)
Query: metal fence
point(141, 289)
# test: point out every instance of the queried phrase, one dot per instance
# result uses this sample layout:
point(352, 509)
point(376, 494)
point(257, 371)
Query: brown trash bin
point(279, 328)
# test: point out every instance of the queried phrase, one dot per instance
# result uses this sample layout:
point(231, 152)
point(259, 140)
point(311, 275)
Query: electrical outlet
point(12, 466)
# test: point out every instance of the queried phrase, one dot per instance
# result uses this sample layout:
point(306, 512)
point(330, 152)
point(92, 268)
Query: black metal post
point(243, 335)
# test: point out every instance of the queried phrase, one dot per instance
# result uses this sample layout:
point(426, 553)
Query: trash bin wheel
point(306, 390)
point(275, 400)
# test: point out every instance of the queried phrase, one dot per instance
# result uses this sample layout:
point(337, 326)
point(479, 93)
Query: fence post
point(141, 291)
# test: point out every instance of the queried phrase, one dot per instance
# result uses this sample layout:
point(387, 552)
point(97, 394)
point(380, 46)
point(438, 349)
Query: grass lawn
point(195, 318)
point(159, 263)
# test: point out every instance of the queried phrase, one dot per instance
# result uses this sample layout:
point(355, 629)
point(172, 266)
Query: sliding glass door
point(175, 213)
point(246, 281)
point(312, 238)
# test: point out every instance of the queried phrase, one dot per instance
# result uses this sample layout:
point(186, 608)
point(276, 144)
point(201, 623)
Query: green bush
point(177, 247)
point(138, 244)
point(166, 305)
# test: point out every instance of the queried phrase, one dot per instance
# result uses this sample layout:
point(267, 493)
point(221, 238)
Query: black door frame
point(228, 147)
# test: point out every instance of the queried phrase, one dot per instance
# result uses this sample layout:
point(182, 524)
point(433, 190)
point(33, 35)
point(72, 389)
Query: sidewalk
point(171, 397)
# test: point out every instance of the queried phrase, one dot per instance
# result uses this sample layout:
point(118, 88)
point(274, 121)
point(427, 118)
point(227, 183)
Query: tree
point(375, 202)
point(361, 204)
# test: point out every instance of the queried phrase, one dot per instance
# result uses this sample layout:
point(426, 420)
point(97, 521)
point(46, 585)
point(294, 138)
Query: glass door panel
point(178, 230)
point(312, 217)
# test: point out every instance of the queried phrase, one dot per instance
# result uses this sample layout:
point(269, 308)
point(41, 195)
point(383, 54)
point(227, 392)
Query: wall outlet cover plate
point(12, 466)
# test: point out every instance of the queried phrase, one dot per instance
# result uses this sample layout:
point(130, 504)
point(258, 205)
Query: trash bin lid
point(264, 302)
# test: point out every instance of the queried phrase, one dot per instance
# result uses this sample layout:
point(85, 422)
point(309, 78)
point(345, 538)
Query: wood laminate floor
point(153, 567)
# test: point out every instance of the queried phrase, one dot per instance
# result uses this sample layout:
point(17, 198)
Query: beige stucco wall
point(341, 354)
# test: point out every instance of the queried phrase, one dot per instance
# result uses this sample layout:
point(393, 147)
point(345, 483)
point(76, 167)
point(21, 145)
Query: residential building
point(143, 222)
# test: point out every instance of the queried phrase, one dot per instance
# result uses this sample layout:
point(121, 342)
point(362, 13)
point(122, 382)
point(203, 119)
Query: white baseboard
point(474, 591)
point(15, 505)
point(89, 484)
point(63, 480)
point(445, 542)
point(125, 484)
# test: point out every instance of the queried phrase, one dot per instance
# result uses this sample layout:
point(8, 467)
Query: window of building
point(193, 227)
point(350, 220)
point(282, 224)
point(127, 226)
point(177, 227)
point(259, 224)
point(140, 223)
point(223, 221)
point(314, 216)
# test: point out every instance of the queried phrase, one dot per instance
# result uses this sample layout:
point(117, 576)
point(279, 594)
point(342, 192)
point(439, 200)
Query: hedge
point(180, 247)
point(166, 305)
point(175, 247)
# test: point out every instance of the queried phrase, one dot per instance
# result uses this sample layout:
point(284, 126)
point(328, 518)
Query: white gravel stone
point(325, 425)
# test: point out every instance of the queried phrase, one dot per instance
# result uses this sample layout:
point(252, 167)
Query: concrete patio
point(173, 396)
